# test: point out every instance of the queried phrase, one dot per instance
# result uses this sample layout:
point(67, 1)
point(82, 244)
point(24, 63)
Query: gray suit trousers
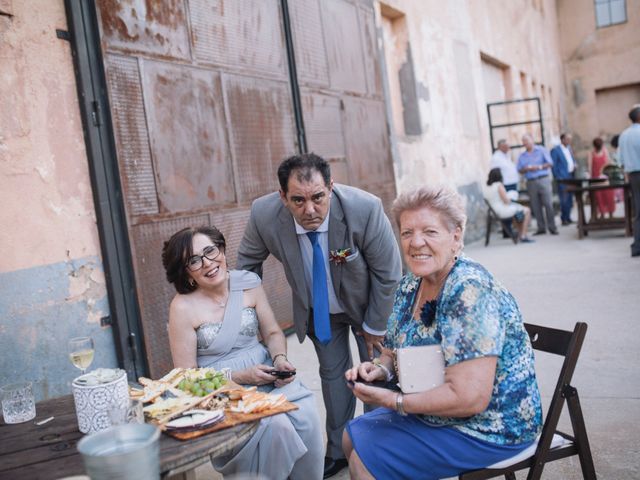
point(335, 359)
point(541, 197)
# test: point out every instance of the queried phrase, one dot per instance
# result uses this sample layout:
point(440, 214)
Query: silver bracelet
point(400, 405)
point(387, 372)
point(273, 360)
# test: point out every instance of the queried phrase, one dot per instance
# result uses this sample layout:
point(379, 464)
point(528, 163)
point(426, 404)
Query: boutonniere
point(339, 256)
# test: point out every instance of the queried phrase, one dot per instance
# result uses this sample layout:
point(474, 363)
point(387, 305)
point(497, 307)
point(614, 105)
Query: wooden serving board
point(231, 419)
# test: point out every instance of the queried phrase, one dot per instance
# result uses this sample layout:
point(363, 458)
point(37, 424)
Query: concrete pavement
point(557, 281)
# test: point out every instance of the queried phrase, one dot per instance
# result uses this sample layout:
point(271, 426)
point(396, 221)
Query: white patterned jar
point(95, 393)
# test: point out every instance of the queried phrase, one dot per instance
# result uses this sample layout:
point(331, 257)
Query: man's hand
point(372, 341)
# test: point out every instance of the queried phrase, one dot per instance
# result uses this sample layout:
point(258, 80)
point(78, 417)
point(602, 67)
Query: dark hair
point(305, 164)
point(614, 141)
point(495, 175)
point(564, 135)
point(179, 248)
point(634, 114)
point(597, 144)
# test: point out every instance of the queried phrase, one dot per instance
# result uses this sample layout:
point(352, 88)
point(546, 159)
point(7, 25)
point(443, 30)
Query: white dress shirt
point(571, 164)
point(306, 249)
point(503, 161)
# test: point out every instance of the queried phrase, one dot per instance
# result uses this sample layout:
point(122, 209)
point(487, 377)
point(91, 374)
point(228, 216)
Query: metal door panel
point(157, 27)
point(131, 136)
point(371, 58)
point(262, 131)
point(343, 44)
point(365, 131)
point(308, 41)
point(189, 143)
point(323, 125)
point(154, 292)
point(239, 33)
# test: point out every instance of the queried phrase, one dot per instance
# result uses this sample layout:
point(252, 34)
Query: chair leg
point(580, 434)
point(510, 476)
point(489, 222)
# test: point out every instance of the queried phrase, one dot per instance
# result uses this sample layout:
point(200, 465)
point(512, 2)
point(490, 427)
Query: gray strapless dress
point(288, 445)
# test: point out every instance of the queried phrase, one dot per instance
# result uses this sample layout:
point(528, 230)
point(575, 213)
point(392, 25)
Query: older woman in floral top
point(488, 408)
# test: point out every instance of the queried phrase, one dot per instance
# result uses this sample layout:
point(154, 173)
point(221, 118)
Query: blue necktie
point(321, 325)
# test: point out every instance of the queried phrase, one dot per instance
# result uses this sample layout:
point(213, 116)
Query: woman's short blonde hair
point(444, 200)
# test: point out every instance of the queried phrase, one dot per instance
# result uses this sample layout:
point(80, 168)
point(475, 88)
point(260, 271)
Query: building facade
point(161, 129)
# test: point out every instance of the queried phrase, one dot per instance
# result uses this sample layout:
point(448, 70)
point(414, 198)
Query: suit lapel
point(337, 239)
point(291, 250)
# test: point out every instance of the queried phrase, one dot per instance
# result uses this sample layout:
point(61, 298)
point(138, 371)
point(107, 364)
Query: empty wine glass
point(81, 352)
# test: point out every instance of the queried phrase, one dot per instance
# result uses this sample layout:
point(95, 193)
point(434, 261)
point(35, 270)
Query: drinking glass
point(128, 411)
point(18, 404)
point(81, 352)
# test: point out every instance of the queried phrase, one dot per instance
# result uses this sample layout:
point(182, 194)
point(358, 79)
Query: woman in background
point(598, 158)
point(496, 194)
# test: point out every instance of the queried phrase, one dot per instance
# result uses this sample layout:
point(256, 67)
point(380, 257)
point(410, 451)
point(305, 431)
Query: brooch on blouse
point(339, 256)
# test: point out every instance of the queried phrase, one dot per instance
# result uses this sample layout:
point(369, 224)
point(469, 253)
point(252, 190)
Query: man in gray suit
point(313, 227)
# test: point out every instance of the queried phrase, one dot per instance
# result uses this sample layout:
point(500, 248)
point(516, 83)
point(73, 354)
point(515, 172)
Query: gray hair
point(444, 200)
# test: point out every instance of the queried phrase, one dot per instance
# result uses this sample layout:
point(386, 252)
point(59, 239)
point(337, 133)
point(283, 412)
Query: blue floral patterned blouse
point(474, 316)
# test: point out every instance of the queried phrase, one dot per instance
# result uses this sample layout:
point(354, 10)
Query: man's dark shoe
point(333, 466)
point(553, 232)
point(540, 232)
point(635, 254)
point(565, 223)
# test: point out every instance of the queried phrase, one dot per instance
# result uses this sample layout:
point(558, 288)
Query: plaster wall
point(52, 284)
point(597, 59)
point(447, 40)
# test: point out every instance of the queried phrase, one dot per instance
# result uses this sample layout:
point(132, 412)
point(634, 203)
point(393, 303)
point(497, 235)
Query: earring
point(192, 282)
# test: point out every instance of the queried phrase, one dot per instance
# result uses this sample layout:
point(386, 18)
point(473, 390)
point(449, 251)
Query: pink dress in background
point(605, 199)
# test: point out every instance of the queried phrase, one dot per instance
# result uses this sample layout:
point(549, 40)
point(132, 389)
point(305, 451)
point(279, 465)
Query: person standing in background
point(564, 166)
point(629, 154)
point(598, 158)
point(534, 163)
point(501, 159)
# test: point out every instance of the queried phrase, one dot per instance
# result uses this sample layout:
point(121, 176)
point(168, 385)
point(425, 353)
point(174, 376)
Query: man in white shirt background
point(564, 166)
point(510, 177)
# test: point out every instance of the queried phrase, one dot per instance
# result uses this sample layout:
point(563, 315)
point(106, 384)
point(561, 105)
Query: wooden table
point(590, 186)
point(49, 451)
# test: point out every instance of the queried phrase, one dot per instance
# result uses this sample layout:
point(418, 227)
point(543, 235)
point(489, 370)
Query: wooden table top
point(49, 451)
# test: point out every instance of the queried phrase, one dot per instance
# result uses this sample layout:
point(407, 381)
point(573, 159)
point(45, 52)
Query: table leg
point(580, 207)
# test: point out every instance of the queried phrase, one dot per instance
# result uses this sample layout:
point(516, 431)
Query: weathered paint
point(52, 284)
point(41, 308)
point(596, 59)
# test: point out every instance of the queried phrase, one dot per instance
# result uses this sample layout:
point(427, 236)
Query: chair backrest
point(567, 344)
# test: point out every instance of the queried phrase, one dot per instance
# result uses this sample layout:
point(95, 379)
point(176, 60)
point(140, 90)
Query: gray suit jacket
point(365, 285)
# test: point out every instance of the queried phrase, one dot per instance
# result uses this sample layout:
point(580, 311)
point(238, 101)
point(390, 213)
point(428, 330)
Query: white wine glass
point(81, 352)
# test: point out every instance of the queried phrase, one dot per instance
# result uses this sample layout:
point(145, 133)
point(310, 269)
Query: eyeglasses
point(196, 261)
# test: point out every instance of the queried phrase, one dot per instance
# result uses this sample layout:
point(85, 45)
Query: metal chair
point(507, 227)
point(567, 344)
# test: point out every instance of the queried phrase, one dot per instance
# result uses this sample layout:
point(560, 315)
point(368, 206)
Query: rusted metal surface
point(371, 57)
point(188, 135)
point(239, 33)
point(323, 124)
point(132, 142)
point(343, 44)
point(262, 132)
point(308, 42)
point(154, 292)
point(156, 27)
point(365, 132)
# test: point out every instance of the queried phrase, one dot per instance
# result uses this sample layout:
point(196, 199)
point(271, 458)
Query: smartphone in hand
point(283, 373)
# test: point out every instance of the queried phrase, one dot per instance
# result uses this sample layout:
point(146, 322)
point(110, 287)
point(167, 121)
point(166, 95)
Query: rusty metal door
point(201, 105)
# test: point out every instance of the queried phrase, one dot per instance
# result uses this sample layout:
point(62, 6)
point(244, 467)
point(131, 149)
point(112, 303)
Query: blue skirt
point(393, 446)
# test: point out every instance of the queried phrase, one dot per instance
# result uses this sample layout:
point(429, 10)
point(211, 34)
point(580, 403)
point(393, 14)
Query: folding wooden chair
point(567, 344)
point(492, 217)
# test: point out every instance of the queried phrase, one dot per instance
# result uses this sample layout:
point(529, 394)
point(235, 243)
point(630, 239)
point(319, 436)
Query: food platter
point(187, 403)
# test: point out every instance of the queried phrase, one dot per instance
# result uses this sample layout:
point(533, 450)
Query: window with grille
point(610, 12)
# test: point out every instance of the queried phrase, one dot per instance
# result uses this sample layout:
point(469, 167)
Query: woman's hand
point(282, 363)
point(256, 375)
point(375, 395)
point(366, 371)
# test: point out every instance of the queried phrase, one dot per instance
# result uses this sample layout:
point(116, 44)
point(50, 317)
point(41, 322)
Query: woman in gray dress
point(214, 321)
